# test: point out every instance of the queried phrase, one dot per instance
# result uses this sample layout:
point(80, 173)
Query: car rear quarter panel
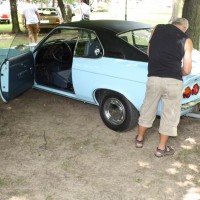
point(125, 77)
point(192, 79)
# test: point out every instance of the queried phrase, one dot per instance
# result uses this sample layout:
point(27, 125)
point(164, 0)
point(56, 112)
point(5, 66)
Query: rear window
point(48, 12)
point(137, 38)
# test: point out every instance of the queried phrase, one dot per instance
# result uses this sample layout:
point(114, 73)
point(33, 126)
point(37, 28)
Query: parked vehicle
point(4, 15)
point(50, 18)
point(101, 62)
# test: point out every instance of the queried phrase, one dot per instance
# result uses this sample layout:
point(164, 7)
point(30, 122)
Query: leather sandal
point(166, 152)
point(138, 144)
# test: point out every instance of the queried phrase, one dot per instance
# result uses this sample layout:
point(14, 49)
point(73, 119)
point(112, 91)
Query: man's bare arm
point(38, 15)
point(187, 59)
point(149, 40)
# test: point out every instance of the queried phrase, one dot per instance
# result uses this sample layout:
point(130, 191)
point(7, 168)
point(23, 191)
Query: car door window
point(88, 45)
point(16, 47)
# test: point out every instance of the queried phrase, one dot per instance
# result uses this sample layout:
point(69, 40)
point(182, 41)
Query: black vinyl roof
point(107, 31)
point(116, 26)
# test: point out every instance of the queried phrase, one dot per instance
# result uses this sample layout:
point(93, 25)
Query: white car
point(5, 16)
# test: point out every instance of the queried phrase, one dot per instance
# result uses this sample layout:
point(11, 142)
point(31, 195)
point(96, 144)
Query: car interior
point(54, 59)
point(53, 65)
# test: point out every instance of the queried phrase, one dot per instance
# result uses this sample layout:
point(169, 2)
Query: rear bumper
point(4, 19)
point(191, 108)
point(47, 26)
point(193, 115)
point(190, 104)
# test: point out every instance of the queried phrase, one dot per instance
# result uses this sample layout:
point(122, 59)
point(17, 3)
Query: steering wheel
point(62, 52)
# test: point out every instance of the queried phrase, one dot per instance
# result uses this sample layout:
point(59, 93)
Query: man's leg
point(163, 142)
point(36, 32)
point(171, 101)
point(163, 149)
point(30, 38)
point(140, 137)
point(141, 132)
point(35, 37)
point(148, 109)
point(30, 33)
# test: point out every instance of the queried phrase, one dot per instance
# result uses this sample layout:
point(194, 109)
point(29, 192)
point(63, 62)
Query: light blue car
point(101, 62)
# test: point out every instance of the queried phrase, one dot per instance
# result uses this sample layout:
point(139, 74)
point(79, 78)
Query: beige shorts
point(33, 28)
point(169, 91)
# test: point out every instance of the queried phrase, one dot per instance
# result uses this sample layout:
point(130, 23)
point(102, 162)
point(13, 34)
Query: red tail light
point(5, 16)
point(195, 89)
point(187, 92)
point(57, 21)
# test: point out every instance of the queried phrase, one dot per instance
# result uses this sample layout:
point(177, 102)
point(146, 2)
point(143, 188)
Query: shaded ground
point(53, 148)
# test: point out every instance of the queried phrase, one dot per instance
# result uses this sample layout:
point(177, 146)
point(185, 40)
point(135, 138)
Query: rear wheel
point(118, 113)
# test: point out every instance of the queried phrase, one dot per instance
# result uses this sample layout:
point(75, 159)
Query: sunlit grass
point(10, 39)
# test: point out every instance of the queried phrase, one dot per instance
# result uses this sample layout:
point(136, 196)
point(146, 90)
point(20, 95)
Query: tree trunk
point(14, 16)
point(191, 11)
point(177, 6)
point(62, 9)
point(53, 3)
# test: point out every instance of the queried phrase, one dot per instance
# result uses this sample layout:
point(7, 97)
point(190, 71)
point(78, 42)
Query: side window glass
point(88, 45)
point(137, 38)
point(128, 37)
point(142, 37)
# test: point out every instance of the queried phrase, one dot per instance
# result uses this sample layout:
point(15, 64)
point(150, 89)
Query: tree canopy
point(190, 9)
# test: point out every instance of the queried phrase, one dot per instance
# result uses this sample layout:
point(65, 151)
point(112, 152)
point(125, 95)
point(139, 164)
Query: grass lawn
point(6, 36)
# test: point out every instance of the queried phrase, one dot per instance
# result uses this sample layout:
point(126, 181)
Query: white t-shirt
point(29, 13)
point(85, 9)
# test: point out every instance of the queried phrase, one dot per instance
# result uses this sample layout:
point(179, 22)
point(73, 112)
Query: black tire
point(8, 22)
point(118, 113)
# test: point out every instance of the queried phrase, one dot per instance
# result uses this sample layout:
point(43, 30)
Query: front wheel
point(118, 113)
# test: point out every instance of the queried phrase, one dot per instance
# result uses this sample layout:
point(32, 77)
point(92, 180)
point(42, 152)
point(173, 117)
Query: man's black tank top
point(166, 52)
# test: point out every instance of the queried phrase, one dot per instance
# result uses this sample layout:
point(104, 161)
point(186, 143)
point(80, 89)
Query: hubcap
point(114, 111)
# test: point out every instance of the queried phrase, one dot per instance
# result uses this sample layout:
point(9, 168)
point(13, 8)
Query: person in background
point(84, 10)
point(170, 58)
point(31, 19)
point(69, 13)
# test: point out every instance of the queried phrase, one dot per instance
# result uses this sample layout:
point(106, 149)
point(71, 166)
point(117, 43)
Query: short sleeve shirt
point(29, 13)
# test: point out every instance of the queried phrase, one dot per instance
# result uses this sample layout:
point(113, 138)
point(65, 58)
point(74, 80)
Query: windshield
point(137, 38)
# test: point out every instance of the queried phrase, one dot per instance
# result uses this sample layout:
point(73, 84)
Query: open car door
point(17, 75)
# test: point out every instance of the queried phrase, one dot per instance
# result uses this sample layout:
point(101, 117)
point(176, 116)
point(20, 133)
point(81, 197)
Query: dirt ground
point(54, 148)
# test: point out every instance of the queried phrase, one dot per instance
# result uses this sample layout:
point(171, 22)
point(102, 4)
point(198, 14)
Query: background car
point(101, 62)
point(49, 18)
point(5, 16)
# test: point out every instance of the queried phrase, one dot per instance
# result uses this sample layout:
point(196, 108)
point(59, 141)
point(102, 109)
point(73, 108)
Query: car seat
point(62, 78)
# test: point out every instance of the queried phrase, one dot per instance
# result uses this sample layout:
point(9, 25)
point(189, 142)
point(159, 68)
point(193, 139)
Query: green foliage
point(40, 1)
point(107, 1)
point(69, 1)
